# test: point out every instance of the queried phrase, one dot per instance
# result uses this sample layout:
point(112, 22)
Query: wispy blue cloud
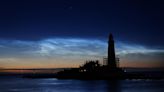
point(72, 49)
point(125, 48)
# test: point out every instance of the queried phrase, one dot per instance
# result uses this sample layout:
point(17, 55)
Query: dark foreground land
point(108, 75)
point(100, 75)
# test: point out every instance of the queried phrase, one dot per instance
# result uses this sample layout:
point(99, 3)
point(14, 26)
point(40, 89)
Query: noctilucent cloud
point(71, 52)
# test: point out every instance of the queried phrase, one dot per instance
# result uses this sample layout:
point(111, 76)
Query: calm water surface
point(54, 85)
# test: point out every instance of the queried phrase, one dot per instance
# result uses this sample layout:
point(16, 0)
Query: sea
point(18, 84)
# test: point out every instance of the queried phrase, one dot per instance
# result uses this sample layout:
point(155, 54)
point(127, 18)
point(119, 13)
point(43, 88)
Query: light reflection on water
point(54, 85)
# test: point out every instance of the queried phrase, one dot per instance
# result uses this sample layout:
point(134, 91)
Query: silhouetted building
point(105, 61)
point(111, 53)
point(90, 66)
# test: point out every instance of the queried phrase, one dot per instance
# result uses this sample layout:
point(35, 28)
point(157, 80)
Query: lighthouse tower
point(111, 53)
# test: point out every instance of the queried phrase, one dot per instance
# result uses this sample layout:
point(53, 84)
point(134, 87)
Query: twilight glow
point(71, 52)
point(66, 33)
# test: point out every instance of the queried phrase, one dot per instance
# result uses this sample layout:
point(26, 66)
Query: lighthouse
point(111, 53)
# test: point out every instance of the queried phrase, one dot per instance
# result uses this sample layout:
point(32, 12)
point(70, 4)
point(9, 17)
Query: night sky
point(65, 33)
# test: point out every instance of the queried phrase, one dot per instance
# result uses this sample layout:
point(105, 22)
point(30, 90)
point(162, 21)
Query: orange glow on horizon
point(72, 65)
